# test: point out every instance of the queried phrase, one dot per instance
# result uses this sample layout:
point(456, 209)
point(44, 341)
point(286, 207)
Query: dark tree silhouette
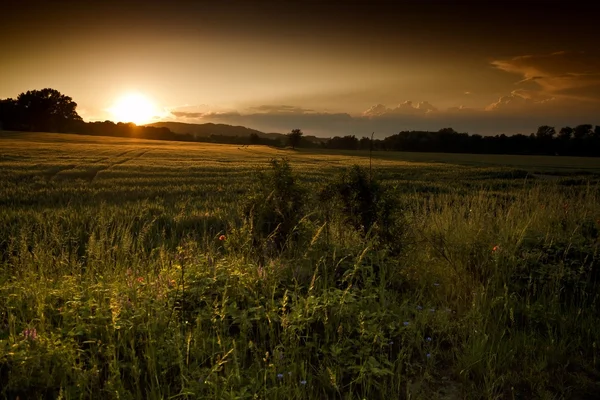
point(447, 131)
point(47, 110)
point(295, 137)
point(545, 132)
point(9, 114)
point(254, 138)
point(565, 133)
point(582, 131)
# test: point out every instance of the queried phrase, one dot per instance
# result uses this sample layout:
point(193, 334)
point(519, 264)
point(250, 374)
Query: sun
point(133, 107)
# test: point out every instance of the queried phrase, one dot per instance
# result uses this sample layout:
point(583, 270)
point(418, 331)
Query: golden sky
point(329, 68)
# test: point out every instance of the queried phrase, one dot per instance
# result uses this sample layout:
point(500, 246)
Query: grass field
point(131, 269)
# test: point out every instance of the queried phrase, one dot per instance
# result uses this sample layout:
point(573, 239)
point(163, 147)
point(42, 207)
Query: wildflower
point(391, 342)
point(140, 279)
point(303, 382)
point(30, 334)
point(280, 376)
point(419, 308)
point(222, 238)
point(495, 248)
point(428, 355)
point(428, 339)
point(406, 323)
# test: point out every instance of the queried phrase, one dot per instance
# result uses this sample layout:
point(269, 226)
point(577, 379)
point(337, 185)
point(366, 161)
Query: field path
point(54, 171)
point(119, 162)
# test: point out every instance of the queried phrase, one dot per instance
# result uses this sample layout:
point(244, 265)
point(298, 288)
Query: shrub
point(273, 209)
point(364, 204)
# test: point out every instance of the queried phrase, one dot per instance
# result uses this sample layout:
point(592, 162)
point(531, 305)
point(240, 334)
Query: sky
point(328, 68)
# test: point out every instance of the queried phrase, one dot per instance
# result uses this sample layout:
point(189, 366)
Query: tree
point(582, 131)
point(294, 137)
point(565, 133)
point(254, 138)
point(364, 143)
point(9, 115)
point(447, 131)
point(545, 132)
point(47, 110)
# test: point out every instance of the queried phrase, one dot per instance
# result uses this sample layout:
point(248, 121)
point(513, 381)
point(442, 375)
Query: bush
point(273, 209)
point(364, 204)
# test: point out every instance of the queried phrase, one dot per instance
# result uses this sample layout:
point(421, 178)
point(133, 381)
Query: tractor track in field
point(52, 174)
point(111, 157)
point(95, 173)
point(143, 152)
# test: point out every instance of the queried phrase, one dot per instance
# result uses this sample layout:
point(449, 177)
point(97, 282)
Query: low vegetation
point(139, 269)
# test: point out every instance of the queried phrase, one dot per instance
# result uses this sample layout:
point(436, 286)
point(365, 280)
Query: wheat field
point(130, 269)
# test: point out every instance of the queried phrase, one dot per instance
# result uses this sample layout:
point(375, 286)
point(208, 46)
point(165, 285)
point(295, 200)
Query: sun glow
point(134, 108)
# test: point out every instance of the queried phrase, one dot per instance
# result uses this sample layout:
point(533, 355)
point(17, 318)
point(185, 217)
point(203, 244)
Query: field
point(148, 269)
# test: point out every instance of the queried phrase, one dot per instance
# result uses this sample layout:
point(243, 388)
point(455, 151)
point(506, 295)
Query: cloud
point(221, 114)
point(407, 107)
point(520, 100)
point(209, 114)
point(183, 114)
point(280, 109)
point(561, 75)
point(377, 110)
point(460, 109)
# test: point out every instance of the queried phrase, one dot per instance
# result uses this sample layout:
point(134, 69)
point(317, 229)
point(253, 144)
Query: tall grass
point(149, 281)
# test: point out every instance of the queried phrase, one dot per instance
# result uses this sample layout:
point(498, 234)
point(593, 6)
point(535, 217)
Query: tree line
point(582, 140)
point(48, 110)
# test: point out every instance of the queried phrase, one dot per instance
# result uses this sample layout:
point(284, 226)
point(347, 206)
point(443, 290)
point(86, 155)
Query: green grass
point(111, 252)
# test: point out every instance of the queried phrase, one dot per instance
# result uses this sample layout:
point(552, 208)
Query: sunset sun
point(134, 108)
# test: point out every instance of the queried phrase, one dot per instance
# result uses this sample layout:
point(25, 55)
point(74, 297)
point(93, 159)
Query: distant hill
point(213, 129)
point(205, 130)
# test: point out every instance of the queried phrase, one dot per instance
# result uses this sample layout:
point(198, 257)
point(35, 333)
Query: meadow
point(169, 270)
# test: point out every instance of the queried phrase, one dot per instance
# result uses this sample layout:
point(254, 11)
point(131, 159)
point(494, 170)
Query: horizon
point(330, 70)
